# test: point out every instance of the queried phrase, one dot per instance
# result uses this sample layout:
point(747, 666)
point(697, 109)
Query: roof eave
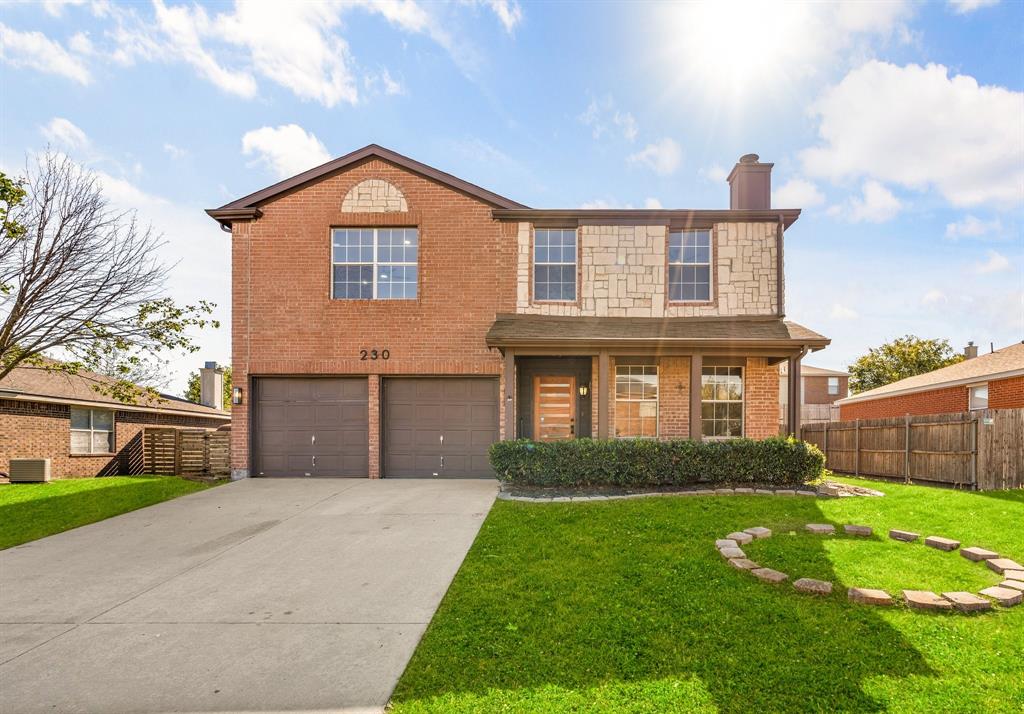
point(995, 376)
point(732, 344)
point(114, 406)
point(671, 216)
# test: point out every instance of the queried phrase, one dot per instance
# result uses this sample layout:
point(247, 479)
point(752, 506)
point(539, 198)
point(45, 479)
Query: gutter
point(977, 379)
point(113, 406)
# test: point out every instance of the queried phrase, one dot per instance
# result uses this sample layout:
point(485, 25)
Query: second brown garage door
point(311, 426)
point(439, 427)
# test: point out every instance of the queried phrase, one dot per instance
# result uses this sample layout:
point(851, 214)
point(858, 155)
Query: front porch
point(634, 377)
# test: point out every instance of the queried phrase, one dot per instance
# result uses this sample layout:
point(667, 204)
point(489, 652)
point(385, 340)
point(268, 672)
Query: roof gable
point(248, 206)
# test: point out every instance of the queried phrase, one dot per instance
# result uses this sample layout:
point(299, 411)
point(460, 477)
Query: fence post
point(906, 446)
point(177, 451)
point(856, 447)
point(825, 442)
point(974, 450)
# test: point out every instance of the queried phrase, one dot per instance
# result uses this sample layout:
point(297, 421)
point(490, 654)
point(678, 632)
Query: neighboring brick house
point(390, 319)
point(992, 381)
point(48, 414)
point(820, 388)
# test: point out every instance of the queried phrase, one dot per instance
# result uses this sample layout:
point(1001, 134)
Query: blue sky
point(898, 127)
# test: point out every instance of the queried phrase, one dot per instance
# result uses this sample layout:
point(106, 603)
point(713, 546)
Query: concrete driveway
point(260, 595)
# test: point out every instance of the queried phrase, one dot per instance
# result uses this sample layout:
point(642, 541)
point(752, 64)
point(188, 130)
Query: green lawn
point(626, 606)
point(34, 510)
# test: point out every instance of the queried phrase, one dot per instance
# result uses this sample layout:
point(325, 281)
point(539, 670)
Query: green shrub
point(646, 462)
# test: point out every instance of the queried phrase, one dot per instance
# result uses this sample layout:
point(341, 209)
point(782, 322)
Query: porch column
point(510, 394)
point(795, 395)
point(696, 365)
point(603, 385)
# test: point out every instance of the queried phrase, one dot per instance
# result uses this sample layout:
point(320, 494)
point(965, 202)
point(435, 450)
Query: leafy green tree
point(903, 357)
point(80, 282)
point(192, 391)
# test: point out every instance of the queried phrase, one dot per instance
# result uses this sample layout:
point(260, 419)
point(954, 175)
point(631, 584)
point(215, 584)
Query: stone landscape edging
point(826, 490)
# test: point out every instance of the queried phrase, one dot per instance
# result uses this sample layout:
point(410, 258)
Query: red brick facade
point(1006, 393)
point(761, 399)
point(43, 430)
point(1002, 394)
point(816, 389)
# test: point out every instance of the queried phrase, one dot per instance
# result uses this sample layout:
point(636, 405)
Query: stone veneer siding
point(374, 196)
point(623, 273)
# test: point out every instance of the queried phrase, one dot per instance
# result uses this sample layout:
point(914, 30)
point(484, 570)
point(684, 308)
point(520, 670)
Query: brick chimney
point(750, 184)
point(211, 386)
point(970, 351)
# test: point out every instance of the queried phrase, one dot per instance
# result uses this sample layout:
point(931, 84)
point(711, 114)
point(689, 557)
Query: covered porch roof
point(669, 335)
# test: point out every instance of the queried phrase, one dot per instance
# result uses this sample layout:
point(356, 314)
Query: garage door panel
point(418, 411)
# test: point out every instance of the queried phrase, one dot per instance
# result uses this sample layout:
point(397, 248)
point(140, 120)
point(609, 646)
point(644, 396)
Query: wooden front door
point(554, 408)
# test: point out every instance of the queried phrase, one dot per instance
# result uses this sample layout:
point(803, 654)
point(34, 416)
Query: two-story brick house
point(390, 319)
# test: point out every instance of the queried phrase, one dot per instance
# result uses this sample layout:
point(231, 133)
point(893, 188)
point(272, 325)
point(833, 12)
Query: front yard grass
point(626, 606)
point(33, 510)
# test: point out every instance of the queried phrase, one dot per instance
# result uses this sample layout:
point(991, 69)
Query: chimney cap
point(749, 159)
point(210, 365)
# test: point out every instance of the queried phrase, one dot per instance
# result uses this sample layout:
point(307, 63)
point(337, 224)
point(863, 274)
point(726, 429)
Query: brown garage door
point(439, 427)
point(311, 426)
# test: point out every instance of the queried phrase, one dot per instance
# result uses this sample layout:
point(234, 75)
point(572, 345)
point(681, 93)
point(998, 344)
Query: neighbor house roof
point(512, 330)
point(37, 384)
point(248, 206)
point(1001, 364)
point(807, 370)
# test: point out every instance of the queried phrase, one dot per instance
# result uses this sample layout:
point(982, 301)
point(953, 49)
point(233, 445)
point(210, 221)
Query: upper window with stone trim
point(689, 266)
point(374, 196)
point(374, 263)
point(554, 265)
point(92, 431)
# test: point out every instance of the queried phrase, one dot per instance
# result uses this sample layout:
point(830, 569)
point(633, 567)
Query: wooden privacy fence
point(185, 452)
point(981, 450)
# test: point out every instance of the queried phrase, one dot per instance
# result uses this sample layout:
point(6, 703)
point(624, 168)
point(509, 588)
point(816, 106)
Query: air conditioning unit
point(29, 470)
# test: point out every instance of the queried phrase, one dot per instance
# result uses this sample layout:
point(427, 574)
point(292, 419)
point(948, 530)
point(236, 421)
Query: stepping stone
point(1001, 565)
point(732, 553)
point(726, 543)
point(1012, 584)
point(813, 587)
point(821, 528)
point(906, 537)
point(867, 596)
point(743, 491)
point(764, 491)
point(723, 491)
point(785, 492)
point(758, 531)
point(806, 493)
point(1014, 574)
point(740, 537)
point(859, 531)
point(743, 564)
point(977, 554)
point(703, 492)
point(968, 602)
point(941, 543)
point(926, 600)
point(1007, 597)
point(769, 575)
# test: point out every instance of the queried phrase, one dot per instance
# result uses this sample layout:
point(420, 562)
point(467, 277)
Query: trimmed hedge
point(647, 462)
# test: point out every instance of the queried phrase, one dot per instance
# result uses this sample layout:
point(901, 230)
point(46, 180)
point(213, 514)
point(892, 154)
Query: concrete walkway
point(260, 595)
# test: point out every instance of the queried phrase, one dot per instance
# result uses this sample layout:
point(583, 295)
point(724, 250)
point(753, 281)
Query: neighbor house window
point(833, 385)
point(554, 264)
point(636, 400)
point(721, 402)
point(689, 266)
point(979, 397)
point(374, 263)
point(92, 431)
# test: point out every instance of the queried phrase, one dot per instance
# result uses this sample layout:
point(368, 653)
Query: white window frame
point(682, 263)
point(742, 401)
point(831, 381)
point(377, 263)
point(575, 265)
point(970, 396)
point(111, 438)
point(641, 400)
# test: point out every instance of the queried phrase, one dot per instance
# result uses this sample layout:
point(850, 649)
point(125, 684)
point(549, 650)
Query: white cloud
point(286, 150)
point(36, 51)
point(652, 203)
point(81, 44)
point(601, 115)
point(55, 8)
point(842, 312)
point(972, 227)
point(962, 7)
point(387, 85)
point(62, 132)
point(996, 262)
point(508, 12)
point(876, 204)
point(934, 297)
point(797, 193)
point(714, 173)
point(663, 157)
point(917, 127)
point(175, 152)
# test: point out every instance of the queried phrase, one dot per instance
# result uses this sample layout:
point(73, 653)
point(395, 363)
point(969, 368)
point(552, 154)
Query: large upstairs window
point(554, 265)
point(689, 266)
point(374, 263)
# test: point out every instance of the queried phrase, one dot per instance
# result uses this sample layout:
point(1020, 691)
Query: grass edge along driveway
point(36, 510)
point(626, 606)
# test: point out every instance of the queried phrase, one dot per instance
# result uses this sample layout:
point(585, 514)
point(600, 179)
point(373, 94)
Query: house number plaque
point(375, 354)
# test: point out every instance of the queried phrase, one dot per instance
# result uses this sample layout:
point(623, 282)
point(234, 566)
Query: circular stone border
point(826, 490)
point(1008, 593)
